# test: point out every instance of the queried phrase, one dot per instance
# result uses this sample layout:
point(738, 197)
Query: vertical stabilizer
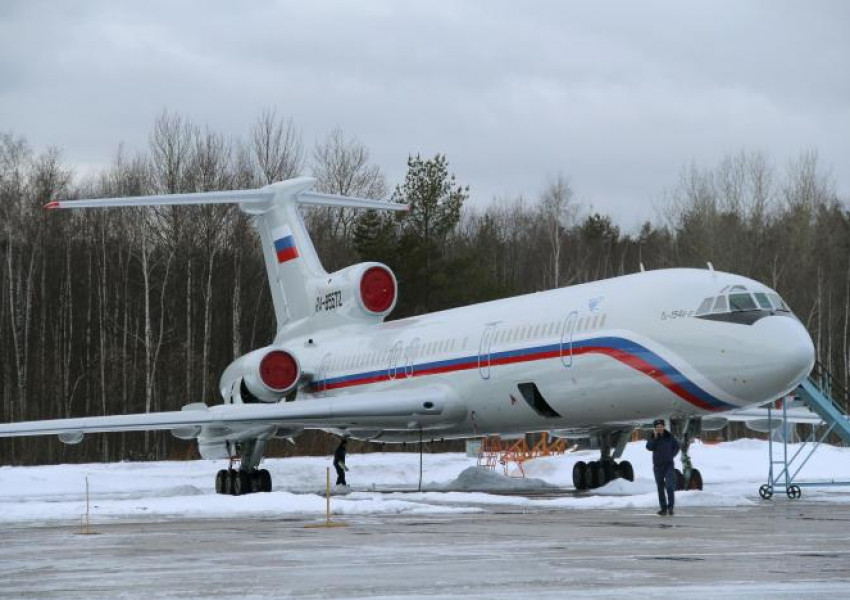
point(289, 254)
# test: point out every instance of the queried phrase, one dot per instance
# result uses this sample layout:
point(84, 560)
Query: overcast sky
point(617, 96)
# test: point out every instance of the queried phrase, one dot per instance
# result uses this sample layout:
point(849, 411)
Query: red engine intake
point(377, 289)
point(279, 371)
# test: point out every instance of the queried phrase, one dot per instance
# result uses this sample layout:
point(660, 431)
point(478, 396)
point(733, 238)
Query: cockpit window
point(737, 304)
point(720, 304)
point(763, 300)
point(778, 303)
point(705, 306)
point(741, 301)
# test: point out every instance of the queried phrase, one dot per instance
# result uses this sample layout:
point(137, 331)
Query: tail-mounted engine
point(264, 375)
point(365, 291)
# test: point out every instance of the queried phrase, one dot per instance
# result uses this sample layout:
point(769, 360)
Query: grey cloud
point(616, 95)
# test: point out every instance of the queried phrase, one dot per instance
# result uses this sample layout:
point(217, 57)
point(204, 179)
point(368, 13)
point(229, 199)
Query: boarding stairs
point(826, 397)
point(495, 451)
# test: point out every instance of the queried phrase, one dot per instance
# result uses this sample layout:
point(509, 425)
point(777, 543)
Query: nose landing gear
point(689, 478)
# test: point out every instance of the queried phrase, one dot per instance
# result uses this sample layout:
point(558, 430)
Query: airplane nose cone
point(789, 353)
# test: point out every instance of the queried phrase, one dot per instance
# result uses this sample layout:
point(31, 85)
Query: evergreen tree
point(435, 202)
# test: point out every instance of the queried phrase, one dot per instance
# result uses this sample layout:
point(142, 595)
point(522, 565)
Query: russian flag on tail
point(284, 246)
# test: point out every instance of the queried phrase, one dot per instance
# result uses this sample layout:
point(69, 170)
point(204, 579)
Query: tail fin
point(291, 260)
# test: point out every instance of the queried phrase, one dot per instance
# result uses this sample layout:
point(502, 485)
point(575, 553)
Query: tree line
point(135, 310)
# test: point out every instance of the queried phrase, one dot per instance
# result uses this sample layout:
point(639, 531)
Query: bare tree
point(171, 145)
point(556, 211)
point(277, 148)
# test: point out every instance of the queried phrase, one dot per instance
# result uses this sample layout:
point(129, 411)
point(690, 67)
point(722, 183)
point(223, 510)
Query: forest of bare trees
point(134, 310)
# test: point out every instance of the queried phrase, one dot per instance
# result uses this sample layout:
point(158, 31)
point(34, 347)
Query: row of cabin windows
point(517, 334)
point(382, 357)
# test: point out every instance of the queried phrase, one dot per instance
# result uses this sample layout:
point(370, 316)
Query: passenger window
point(761, 298)
point(705, 306)
point(720, 305)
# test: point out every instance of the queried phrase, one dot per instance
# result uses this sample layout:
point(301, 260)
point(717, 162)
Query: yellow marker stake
point(328, 522)
point(85, 522)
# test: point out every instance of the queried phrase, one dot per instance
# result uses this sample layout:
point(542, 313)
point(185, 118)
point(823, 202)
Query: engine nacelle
point(265, 375)
point(363, 291)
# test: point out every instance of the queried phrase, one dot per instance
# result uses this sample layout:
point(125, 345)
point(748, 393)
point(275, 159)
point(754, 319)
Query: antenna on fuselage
point(710, 266)
point(642, 269)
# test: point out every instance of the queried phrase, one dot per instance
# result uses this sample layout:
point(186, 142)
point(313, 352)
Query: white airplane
point(593, 360)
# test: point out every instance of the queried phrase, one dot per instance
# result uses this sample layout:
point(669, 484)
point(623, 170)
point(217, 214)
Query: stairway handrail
point(827, 383)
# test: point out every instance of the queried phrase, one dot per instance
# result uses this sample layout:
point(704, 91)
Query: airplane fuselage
point(621, 350)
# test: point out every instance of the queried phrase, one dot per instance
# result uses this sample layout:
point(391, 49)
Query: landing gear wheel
point(264, 479)
point(219, 481)
point(680, 481)
point(580, 475)
point(229, 477)
point(595, 474)
point(241, 483)
point(766, 492)
point(609, 471)
point(794, 492)
point(696, 480)
point(626, 471)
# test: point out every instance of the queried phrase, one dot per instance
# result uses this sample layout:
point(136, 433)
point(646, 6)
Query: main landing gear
point(594, 474)
point(247, 478)
point(689, 478)
point(236, 482)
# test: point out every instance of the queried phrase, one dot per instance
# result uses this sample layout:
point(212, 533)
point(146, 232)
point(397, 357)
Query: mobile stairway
point(826, 397)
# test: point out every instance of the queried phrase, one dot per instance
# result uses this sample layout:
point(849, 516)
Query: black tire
point(265, 481)
point(229, 482)
point(241, 483)
point(680, 481)
point(794, 492)
point(590, 476)
point(696, 480)
point(220, 481)
point(766, 492)
point(596, 474)
point(626, 471)
point(609, 471)
point(580, 475)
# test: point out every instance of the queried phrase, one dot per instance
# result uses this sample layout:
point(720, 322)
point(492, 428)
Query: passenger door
point(484, 351)
point(567, 339)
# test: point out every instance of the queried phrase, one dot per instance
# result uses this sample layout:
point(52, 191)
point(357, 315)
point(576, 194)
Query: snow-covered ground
point(732, 472)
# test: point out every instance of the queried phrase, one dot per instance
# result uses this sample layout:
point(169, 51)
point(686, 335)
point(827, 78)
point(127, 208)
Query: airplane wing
point(402, 410)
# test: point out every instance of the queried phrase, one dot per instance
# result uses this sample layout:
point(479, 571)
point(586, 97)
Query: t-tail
point(303, 293)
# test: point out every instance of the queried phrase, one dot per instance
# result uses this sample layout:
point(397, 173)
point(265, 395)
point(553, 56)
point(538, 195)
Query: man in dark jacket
point(664, 448)
point(339, 463)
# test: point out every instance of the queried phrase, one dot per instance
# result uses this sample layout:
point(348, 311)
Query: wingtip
point(52, 205)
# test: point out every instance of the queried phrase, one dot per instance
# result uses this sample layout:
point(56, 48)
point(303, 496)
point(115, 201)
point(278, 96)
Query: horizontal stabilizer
point(296, 190)
point(317, 199)
point(231, 197)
